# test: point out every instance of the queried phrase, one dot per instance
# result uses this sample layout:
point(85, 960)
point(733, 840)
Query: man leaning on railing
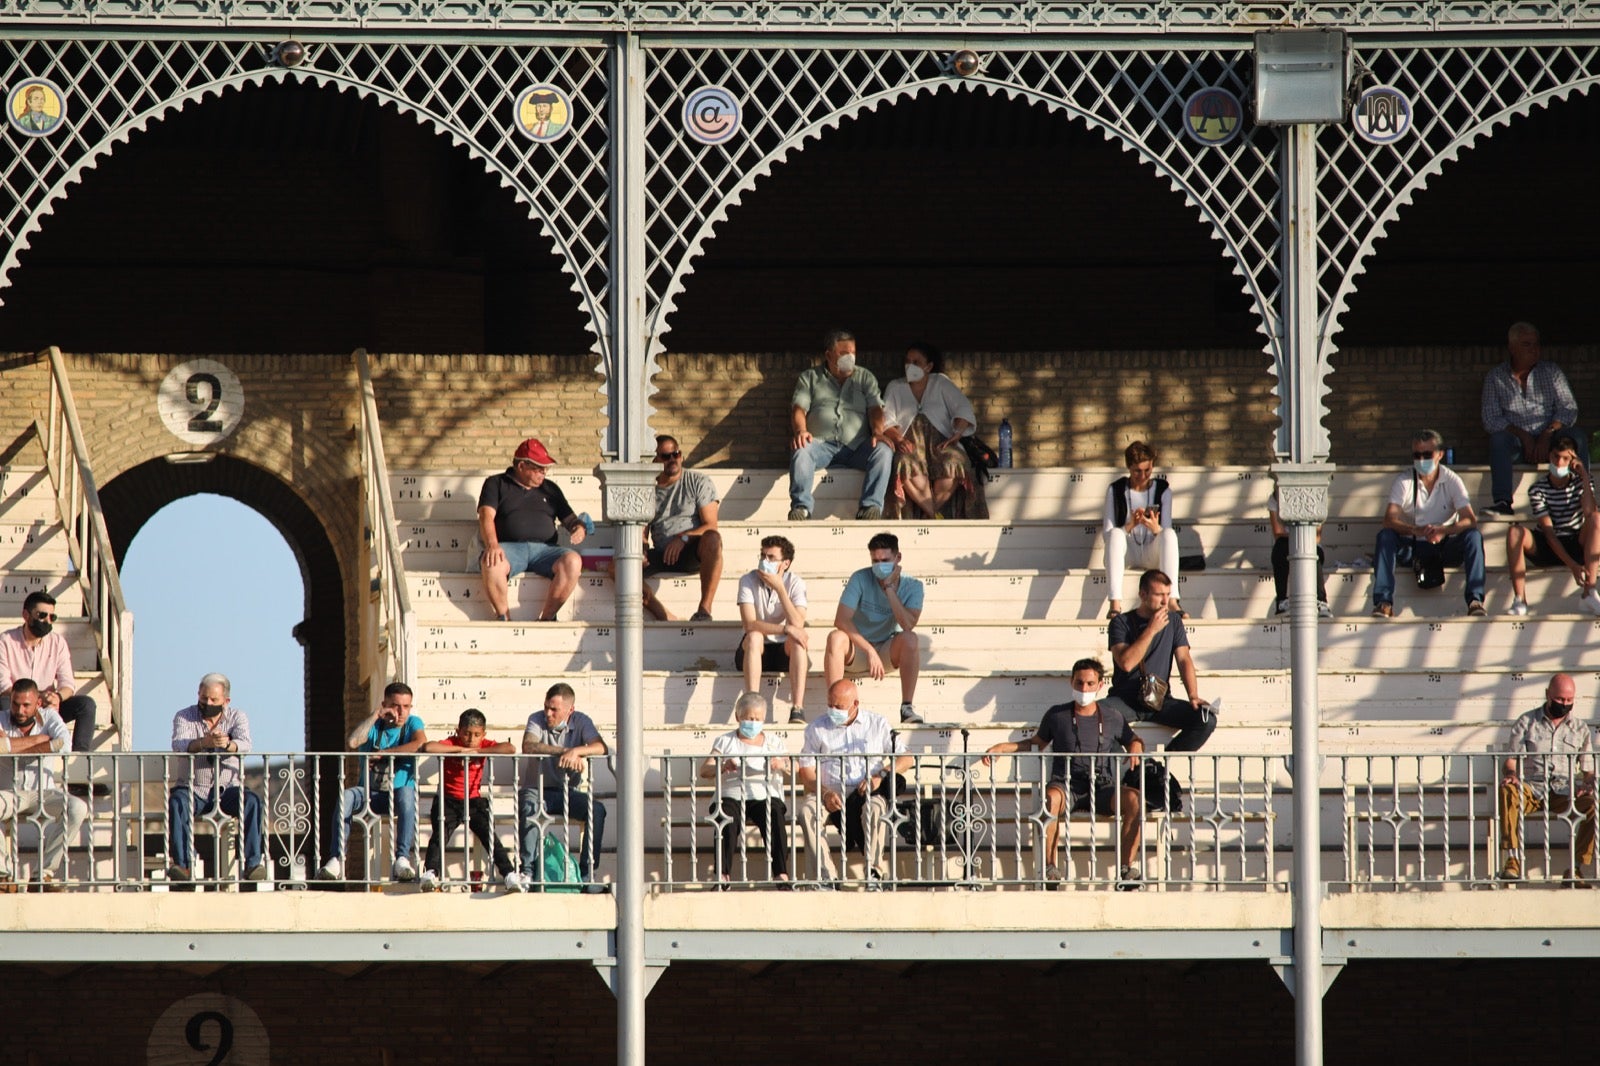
point(211, 726)
point(1547, 745)
point(30, 729)
point(553, 785)
point(1084, 726)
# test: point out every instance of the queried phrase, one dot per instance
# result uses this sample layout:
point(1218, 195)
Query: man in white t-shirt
point(772, 606)
point(1429, 523)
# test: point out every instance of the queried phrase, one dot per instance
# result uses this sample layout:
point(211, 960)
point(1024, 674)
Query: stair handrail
point(88, 543)
point(395, 621)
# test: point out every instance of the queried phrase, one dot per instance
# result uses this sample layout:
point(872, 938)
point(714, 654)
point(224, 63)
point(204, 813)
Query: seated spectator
point(1087, 725)
point(1526, 404)
point(1550, 767)
point(1429, 524)
point(875, 625)
point(1144, 643)
point(212, 725)
point(388, 781)
point(749, 767)
point(1138, 524)
point(925, 417)
point(554, 785)
point(844, 769)
point(30, 787)
point(1566, 528)
point(836, 419)
point(517, 515)
point(683, 534)
point(772, 607)
point(461, 799)
point(1280, 565)
point(36, 650)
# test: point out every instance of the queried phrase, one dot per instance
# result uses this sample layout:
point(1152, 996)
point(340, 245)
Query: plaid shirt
point(1548, 398)
point(1550, 753)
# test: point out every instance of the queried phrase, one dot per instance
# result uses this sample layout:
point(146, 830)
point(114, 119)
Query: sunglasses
point(667, 457)
point(1422, 455)
point(43, 617)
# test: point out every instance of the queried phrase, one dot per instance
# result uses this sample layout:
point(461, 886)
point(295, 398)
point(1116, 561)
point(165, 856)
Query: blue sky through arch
point(214, 586)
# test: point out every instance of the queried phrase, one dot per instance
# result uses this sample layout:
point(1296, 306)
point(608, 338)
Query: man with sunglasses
point(1429, 522)
point(518, 511)
point(36, 649)
point(683, 534)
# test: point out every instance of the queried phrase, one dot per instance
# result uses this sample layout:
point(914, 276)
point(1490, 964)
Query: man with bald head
point(844, 770)
point(1527, 402)
point(1550, 768)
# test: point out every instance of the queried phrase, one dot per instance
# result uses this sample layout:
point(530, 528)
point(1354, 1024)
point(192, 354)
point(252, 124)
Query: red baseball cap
point(534, 452)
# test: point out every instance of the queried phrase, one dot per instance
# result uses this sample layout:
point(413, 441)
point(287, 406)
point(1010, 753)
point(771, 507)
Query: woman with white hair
point(749, 766)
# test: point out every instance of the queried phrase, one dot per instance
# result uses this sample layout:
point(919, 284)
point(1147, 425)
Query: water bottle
point(1005, 443)
point(1449, 457)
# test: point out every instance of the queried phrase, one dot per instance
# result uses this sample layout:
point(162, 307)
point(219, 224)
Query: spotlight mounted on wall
point(288, 54)
point(965, 63)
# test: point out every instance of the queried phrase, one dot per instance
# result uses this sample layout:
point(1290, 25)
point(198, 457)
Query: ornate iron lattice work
point(967, 16)
point(792, 95)
point(1458, 95)
point(119, 87)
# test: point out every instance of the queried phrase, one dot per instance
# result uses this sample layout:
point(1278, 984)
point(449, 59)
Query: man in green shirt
point(836, 419)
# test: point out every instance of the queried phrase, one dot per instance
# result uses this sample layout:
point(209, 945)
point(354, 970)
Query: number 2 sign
point(201, 401)
point(208, 1030)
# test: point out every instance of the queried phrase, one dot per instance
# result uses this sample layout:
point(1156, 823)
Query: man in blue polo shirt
point(388, 781)
point(517, 515)
point(874, 627)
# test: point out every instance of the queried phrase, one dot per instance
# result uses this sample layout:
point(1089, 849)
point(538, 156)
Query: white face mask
point(1559, 472)
point(768, 566)
point(847, 363)
point(1083, 699)
point(838, 715)
point(915, 373)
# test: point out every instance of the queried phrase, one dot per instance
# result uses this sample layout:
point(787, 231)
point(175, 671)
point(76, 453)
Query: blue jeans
point(403, 807)
point(558, 801)
point(181, 807)
point(1460, 549)
point(874, 459)
point(1505, 449)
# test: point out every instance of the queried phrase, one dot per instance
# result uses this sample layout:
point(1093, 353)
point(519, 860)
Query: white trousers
point(60, 818)
point(1122, 551)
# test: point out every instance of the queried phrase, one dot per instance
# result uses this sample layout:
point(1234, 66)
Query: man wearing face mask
point(388, 781)
point(1551, 752)
point(1429, 522)
point(843, 772)
point(210, 728)
point(1566, 528)
point(553, 786)
point(29, 786)
point(874, 626)
point(836, 419)
point(772, 607)
point(1085, 726)
point(683, 534)
point(34, 649)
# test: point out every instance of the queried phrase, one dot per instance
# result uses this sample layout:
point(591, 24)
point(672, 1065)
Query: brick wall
point(1452, 1014)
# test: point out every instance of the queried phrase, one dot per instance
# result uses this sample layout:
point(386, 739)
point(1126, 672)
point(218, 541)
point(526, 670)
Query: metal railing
point(388, 652)
point(88, 544)
point(1402, 822)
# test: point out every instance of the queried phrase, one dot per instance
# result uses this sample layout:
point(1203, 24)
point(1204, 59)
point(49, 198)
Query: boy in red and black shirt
point(459, 800)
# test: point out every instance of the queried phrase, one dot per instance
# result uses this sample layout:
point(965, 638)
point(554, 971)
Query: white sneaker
point(514, 882)
point(403, 870)
point(429, 881)
point(1591, 602)
point(1518, 608)
point(1281, 607)
point(332, 870)
point(1323, 610)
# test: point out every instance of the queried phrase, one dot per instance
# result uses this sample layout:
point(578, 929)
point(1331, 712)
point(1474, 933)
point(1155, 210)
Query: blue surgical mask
point(1559, 472)
point(882, 570)
point(838, 716)
point(1425, 467)
point(749, 728)
point(1083, 699)
point(768, 566)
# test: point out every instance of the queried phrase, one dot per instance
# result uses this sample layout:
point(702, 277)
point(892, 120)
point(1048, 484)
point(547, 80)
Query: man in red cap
point(517, 515)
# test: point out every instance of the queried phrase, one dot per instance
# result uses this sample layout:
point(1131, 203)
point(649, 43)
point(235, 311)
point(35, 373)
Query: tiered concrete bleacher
point(1011, 602)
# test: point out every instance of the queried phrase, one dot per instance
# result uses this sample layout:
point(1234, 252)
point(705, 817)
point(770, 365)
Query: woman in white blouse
point(750, 766)
point(925, 417)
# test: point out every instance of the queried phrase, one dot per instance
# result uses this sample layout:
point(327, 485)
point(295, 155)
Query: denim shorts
point(529, 556)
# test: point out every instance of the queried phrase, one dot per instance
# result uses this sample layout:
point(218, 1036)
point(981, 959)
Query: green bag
point(559, 868)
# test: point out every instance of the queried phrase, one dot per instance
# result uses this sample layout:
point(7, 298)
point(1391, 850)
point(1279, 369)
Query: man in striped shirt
point(1526, 404)
point(1566, 530)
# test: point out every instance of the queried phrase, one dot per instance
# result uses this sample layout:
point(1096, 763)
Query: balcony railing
point(951, 821)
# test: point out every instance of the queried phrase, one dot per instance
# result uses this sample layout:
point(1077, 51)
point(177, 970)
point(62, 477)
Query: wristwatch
point(684, 537)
